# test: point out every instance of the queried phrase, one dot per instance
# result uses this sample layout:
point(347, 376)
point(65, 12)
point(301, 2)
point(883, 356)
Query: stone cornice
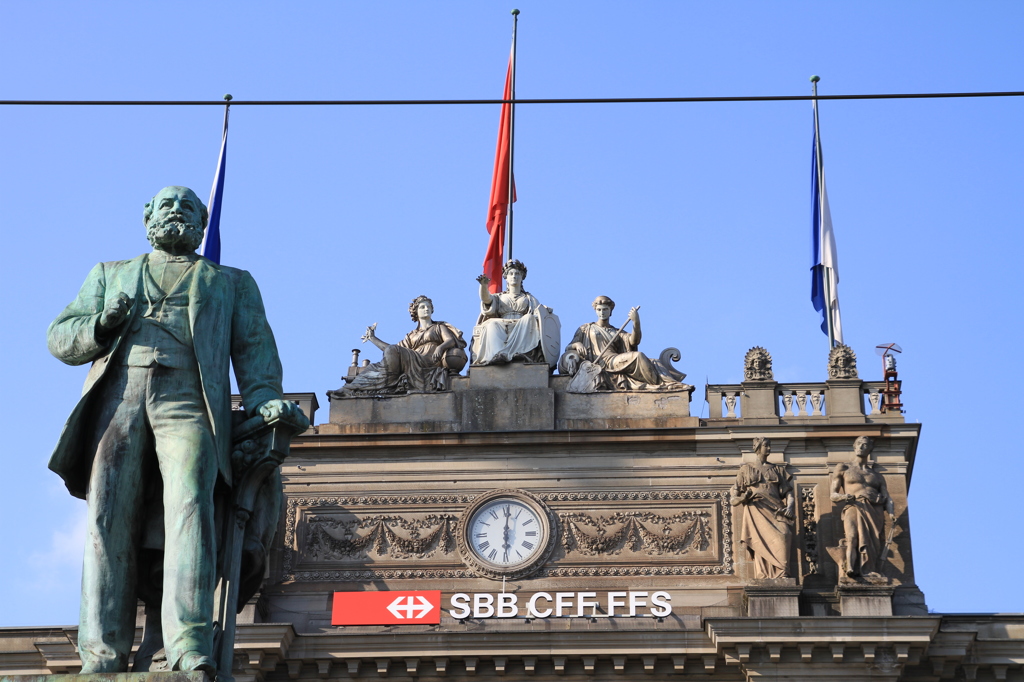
point(307, 445)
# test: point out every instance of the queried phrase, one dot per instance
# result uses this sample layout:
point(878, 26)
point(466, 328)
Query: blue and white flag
point(211, 240)
point(824, 262)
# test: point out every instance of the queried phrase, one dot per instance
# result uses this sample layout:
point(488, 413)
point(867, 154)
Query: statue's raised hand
point(634, 314)
point(485, 294)
point(115, 311)
point(370, 333)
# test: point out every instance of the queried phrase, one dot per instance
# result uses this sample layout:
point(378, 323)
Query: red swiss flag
point(415, 607)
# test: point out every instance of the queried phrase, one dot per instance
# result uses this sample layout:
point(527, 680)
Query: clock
point(506, 534)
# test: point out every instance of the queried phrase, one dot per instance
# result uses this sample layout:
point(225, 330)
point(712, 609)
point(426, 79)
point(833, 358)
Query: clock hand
point(504, 535)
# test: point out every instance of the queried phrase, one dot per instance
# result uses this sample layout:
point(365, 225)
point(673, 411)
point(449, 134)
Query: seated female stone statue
point(513, 325)
point(419, 363)
point(603, 358)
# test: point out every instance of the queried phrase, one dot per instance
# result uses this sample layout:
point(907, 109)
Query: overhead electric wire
point(548, 100)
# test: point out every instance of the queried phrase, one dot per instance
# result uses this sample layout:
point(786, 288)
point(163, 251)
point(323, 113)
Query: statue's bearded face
point(176, 221)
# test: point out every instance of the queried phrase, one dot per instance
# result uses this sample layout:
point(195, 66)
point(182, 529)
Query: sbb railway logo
point(387, 608)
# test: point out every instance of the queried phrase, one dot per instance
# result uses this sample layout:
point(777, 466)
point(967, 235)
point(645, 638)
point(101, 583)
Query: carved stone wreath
point(550, 530)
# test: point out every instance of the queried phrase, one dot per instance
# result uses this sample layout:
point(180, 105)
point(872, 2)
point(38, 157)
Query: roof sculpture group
point(514, 326)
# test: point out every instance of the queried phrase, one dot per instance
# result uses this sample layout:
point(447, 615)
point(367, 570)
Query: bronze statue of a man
point(160, 331)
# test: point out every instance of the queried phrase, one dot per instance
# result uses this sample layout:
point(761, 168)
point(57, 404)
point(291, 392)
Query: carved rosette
point(549, 531)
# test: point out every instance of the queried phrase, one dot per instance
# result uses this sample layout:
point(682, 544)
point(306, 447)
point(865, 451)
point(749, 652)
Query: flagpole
point(512, 135)
point(826, 280)
point(210, 246)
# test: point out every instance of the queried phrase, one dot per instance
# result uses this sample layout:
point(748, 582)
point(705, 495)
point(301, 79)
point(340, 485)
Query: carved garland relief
point(810, 530)
point(691, 537)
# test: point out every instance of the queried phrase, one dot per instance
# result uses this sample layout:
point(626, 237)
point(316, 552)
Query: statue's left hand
point(634, 315)
point(282, 409)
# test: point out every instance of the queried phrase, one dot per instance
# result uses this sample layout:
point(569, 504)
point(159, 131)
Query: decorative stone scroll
point(842, 363)
point(757, 365)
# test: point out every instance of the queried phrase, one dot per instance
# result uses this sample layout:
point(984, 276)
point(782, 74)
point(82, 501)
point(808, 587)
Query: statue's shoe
point(195, 661)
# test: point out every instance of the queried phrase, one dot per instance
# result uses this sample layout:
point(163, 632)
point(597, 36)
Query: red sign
point(387, 608)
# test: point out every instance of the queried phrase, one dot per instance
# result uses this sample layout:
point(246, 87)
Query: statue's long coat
point(229, 326)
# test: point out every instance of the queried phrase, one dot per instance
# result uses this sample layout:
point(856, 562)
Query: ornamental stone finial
point(757, 365)
point(842, 363)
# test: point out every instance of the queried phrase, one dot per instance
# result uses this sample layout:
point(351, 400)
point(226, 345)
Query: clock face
point(506, 532)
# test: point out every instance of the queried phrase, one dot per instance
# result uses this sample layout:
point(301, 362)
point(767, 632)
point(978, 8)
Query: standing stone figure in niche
point(603, 358)
point(513, 326)
point(867, 501)
point(757, 365)
point(150, 439)
point(765, 493)
point(419, 363)
point(842, 363)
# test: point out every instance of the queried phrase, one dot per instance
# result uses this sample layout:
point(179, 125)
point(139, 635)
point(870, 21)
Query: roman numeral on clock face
point(531, 533)
point(484, 545)
point(527, 544)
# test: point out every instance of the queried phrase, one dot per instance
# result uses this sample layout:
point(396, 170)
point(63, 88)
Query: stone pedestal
point(772, 598)
point(513, 375)
point(844, 400)
point(856, 599)
point(760, 404)
point(413, 413)
point(624, 409)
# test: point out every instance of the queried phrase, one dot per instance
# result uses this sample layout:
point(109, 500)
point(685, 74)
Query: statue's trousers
point(147, 410)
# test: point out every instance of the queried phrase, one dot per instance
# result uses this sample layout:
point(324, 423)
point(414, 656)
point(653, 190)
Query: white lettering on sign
point(562, 605)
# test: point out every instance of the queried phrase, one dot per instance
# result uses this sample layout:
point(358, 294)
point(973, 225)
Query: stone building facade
point(636, 569)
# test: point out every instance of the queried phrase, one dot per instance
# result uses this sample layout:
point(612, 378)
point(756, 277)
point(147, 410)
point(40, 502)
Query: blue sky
point(697, 212)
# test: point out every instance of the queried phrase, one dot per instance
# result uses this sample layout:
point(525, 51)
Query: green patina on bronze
point(149, 443)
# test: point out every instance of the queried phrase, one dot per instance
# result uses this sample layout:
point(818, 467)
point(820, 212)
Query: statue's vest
point(161, 333)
